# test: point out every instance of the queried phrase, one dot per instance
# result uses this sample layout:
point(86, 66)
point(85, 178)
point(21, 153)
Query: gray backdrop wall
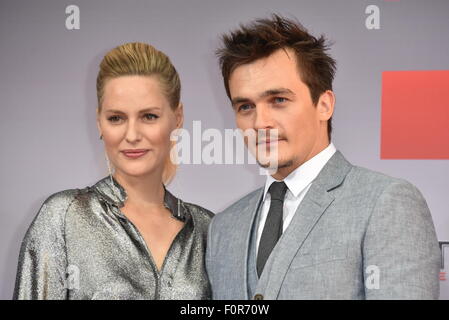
point(48, 137)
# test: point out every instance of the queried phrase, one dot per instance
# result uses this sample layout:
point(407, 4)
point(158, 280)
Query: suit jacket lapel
point(312, 207)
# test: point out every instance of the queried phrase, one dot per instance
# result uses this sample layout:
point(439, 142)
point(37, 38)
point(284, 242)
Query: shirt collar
point(112, 192)
point(302, 176)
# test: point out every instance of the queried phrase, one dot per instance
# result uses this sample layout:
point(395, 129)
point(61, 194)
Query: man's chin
point(276, 166)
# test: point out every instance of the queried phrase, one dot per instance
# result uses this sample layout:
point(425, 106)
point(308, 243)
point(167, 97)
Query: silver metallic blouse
point(81, 246)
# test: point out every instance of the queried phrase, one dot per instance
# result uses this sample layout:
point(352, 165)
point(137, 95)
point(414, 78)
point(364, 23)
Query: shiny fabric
point(81, 246)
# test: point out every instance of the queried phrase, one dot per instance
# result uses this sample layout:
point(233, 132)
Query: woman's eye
point(114, 118)
point(150, 116)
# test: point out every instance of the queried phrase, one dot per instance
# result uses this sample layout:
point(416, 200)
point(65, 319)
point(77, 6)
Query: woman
point(125, 237)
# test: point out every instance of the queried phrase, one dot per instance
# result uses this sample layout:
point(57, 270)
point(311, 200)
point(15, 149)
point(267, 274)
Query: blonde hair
point(137, 58)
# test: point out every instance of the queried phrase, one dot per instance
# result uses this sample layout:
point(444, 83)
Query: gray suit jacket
point(357, 234)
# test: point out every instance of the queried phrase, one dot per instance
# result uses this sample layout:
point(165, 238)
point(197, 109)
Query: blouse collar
point(112, 192)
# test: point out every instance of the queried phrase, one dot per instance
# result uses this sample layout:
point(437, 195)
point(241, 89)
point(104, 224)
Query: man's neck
point(283, 172)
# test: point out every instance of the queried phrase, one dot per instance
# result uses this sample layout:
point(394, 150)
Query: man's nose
point(263, 118)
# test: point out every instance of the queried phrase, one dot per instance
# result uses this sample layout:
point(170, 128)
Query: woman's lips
point(134, 154)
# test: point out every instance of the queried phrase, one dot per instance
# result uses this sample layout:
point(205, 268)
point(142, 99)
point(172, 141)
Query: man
point(320, 228)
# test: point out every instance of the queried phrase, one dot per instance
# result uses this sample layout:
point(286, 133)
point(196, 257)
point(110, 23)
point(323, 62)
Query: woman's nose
point(132, 132)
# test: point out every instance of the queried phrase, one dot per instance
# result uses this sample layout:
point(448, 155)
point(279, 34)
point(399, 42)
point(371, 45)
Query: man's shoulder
point(243, 201)
point(236, 208)
point(365, 175)
point(377, 183)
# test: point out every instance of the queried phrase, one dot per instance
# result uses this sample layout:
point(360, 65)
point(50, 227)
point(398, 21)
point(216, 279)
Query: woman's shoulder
point(62, 197)
point(53, 210)
point(59, 202)
point(198, 212)
point(48, 224)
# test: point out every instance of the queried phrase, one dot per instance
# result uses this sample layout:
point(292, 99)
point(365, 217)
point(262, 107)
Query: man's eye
point(279, 100)
point(244, 107)
point(150, 116)
point(114, 118)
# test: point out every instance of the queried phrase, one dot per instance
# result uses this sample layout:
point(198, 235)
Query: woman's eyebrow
point(140, 111)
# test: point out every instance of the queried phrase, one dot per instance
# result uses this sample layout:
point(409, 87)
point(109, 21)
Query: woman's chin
point(137, 172)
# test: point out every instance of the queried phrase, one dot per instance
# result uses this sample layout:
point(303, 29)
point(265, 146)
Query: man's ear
point(179, 113)
point(326, 105)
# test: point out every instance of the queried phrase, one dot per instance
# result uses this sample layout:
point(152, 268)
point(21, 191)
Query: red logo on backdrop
point(415, 115)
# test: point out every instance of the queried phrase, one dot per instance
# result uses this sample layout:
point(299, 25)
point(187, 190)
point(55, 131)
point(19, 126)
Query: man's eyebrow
point(238, 100)
point(273, 92)
point(267, 93)
point(140, 111)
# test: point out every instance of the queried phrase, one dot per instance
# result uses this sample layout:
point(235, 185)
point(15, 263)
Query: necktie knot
point(277, 190)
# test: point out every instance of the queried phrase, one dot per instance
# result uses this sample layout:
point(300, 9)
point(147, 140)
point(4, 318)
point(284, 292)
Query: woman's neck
point(144, 192)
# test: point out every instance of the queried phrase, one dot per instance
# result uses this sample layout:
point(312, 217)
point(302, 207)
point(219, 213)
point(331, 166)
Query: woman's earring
point(109, 168)
point(101, 137)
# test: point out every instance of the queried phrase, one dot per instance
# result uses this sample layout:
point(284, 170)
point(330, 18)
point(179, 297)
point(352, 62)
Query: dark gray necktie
point(272, 230)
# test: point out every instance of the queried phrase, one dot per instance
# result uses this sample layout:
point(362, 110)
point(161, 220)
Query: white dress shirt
point(298, 183)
